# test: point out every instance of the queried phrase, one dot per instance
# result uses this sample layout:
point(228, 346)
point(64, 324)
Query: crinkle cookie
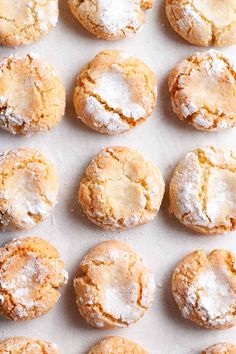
point(120, 189)
point(204, 22)
point(32, 97)
point(116, 288)
point(115, 92)
point(25, 345)
point(28, 188)
point(220, 348)
point(116, 345)
point(31, 273)
point(110, 19)
point(25, 21)
point(203, 190)
point(204, 288)
point(203, 89)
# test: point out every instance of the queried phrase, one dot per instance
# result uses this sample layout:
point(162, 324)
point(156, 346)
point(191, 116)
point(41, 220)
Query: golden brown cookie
point(120, 189)
point(220, 348)
point(32, 97)
point(204, 22)
point(25, 345)
point(204, 288)
point(116, 288)
point(25, 21)
point(115, 92)
point(28, 188)
point(203, 190)
point(110, 19)
point(31, 273)
point(203, 89)
point(112, 345)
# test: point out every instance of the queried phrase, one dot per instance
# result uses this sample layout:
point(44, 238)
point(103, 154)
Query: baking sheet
point(71, 145)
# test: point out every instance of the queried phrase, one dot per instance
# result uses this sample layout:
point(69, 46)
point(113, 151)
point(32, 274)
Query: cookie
point(25, 21)
point(220, 348)
point(115, 92)
point(32, 97)
point(202, 89)
point(115, 288)
point(117, 345)
point(204, 22)
point(204, 288)
point(25, 345)
point(203, 190)
point(31, 274)
point(28, 189)
point(110, 19)
point(120, 189)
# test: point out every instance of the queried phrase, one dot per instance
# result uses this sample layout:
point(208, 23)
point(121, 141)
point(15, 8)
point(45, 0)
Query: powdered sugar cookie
point(220, 348)
point(204, 287)
point(28, 188)
point(32, 97)
point(203, 89)
point(31, 273)
point(116, 288)
point(120, 189)
point(25, 21)
point(203, 190)
point(204, 22)
point(117, 345)
point(25, 345)
point(115, 92)
point(110, 19)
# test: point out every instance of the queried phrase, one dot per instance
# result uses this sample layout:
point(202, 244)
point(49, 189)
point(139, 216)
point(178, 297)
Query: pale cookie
point(111, 19)
point(220, 348)
point(25, 21)
point(203, 190)
point(203, 89)
point(31, 274)
point(116, 288)
point(204, 288)
point(116, 345)
point(204, 22)
point(115, 92)
point(120, 189)
point(32, 97)
point(28, 189)
point(25, 345)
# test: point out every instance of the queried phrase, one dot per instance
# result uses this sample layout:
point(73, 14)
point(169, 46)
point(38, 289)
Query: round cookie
point(25, 21)
point(31, 273)
point(116, 288)
point(204, 22)
point(120, 189)
point(28, 189)
point(25, 345)
point(115, 92)
point(204, 288)
point(32, 97)
point(117, 345)
point(220, 348)
point(203, 89)
point(203, 190)
point(110, 19)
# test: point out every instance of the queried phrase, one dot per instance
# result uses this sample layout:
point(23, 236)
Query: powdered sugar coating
point(220, 348)
point(27, 345)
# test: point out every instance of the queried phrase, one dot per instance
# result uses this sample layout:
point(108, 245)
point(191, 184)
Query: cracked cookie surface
point(203, 89)
point(25, 21)
point(28, 189)
point(116, 288)
point(117, 345)
point(204, 288)
point(31, 274)
point(115, 92)
point(32, 97)
point(110, 19)
point(25, 345)
point(203, 190)
point(120, 189)
point(204, 22)
point(220, 348)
